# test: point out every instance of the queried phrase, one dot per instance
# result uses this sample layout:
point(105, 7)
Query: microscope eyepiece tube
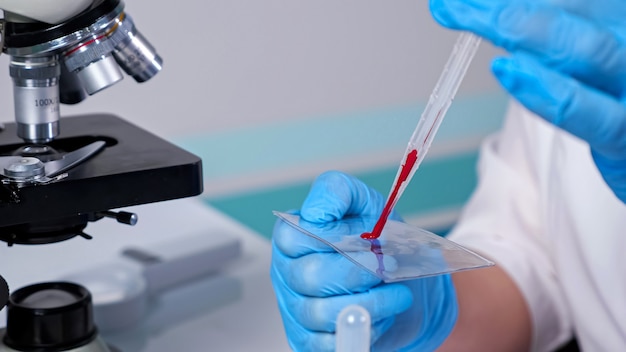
point(36, 97)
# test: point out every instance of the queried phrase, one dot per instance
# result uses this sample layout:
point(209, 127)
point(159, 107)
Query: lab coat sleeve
point(503, 221)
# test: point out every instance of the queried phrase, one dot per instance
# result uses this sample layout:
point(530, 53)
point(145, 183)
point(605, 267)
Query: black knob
point(122, 217)
point(4, 293)
point(49, 316)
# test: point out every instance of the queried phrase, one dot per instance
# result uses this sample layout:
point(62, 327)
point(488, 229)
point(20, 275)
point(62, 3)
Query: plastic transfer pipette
point(428, 124)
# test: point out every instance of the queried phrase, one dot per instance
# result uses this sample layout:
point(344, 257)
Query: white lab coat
point(544, 214)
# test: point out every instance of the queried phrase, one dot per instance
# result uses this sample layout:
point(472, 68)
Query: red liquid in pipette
point(408, 165)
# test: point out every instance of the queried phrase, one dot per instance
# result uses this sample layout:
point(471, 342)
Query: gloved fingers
point(289, 302)
point(574, 45)
point(335, 195)
point(294, 243)
point(303, 340)
point(299, 338)
point(330, 274)
point(379, 328)
point(323, 274)
point(297, 241)
point(320, 314)
point(585, 112)
point(610, 12)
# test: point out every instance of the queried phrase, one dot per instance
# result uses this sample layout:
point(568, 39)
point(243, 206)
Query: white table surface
point(232, 310)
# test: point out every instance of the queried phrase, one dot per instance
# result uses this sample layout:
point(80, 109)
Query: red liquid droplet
point(411, 158)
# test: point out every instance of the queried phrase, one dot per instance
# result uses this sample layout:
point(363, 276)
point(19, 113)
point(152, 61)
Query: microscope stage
point(135, 167)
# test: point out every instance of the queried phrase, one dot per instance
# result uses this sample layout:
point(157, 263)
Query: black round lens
point(49, 316)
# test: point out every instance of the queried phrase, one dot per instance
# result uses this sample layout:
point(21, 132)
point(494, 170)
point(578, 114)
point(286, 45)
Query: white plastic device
point(122, 287)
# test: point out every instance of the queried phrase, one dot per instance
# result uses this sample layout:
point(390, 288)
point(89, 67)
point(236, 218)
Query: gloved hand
point(313, 283)
point(567, 65)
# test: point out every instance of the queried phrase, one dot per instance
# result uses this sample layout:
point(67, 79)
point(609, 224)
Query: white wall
point(231, 63)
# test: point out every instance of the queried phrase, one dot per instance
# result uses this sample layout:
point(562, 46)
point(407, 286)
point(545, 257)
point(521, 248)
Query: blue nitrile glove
point(567, 64)
point(313, 283)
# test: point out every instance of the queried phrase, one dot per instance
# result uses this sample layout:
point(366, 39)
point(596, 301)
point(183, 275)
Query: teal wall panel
point(444, 181)
point(263, 148)
point(438, 184)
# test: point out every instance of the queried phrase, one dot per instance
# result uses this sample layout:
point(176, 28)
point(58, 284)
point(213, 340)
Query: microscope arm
point(52, 12)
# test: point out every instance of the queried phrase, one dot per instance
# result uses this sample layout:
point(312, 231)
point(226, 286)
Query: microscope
point(58, 174)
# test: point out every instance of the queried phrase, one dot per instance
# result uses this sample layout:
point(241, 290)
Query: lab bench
point(231, 309)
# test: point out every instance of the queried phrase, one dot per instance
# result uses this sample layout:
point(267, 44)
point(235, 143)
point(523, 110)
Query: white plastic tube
point(353, 330)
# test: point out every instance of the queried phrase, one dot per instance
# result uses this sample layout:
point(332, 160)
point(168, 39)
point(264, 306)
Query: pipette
point(428, 124)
